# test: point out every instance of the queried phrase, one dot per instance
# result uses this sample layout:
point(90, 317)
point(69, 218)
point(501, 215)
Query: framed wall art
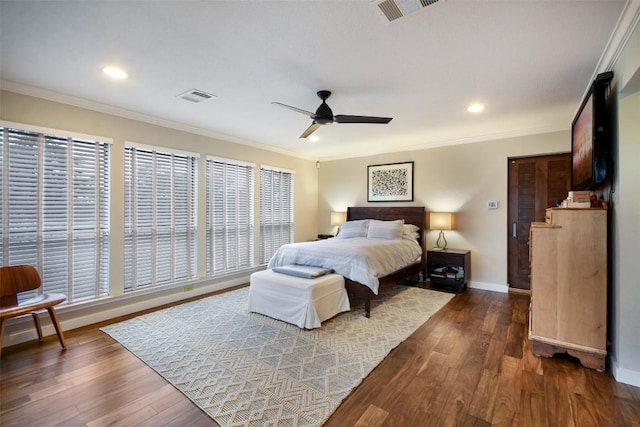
point(390, 182)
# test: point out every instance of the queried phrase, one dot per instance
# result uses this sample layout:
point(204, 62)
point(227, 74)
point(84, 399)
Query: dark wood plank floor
point(470, 365)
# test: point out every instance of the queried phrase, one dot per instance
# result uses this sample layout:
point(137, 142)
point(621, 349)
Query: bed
point(343, 255)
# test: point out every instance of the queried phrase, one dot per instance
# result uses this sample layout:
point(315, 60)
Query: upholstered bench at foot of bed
point(302, 302)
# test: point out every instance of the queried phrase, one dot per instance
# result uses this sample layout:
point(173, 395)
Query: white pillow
point(412, 236)
point(351, 229)
point(410, 232)
point(389, 230)
point(410, 229)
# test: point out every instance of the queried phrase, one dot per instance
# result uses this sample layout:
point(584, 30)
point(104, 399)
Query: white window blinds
point(276, 210)
point(230, 223)
point(55, 210)
point(160, 217)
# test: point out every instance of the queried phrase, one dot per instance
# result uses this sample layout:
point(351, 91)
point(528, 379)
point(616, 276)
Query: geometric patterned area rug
point(246, 369)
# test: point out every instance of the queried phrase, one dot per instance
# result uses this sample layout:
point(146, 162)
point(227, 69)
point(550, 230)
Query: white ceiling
point(529, 62)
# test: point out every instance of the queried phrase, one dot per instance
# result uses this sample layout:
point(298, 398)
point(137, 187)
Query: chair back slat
point(16, 279)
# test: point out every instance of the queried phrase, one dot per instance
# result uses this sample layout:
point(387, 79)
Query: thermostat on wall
point(492, 204)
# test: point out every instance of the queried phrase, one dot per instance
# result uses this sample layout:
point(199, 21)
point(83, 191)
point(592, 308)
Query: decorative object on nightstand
point(338, 218)
point(441, 221)
point(324, 236)
point(451, 267)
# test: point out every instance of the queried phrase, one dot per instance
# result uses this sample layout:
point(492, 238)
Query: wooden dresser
point(568, 256)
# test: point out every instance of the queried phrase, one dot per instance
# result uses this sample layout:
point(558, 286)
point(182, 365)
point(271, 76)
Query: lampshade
point(337, 218)
point(441, 221)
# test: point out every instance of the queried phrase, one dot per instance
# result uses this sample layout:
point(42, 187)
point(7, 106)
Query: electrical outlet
point(492, 204)
point(188, 288)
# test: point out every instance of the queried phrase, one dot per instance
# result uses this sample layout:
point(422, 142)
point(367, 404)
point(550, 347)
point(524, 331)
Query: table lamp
point(441, 221)
point(337, 218)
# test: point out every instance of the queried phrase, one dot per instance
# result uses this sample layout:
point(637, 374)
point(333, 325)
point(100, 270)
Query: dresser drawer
point(445, 257)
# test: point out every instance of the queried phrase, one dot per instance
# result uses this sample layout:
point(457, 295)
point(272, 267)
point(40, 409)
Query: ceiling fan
point(324, 115)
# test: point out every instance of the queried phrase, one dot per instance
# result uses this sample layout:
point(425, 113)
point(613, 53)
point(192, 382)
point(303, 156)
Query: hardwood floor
point(469, 365)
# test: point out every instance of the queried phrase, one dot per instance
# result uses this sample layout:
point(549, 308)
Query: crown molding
point(48, 95)
point(515, 133)
point(626, 25)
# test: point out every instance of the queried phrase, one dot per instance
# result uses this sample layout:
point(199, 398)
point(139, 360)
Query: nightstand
point(450, 267)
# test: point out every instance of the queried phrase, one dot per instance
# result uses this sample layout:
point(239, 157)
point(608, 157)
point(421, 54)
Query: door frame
point(540, 203)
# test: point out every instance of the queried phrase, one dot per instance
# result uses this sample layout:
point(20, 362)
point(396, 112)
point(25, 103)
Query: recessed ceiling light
point(115, 72)
point(314, 138)
point(475, 108)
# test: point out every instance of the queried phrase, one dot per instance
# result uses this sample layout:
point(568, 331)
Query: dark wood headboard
point(411, 214)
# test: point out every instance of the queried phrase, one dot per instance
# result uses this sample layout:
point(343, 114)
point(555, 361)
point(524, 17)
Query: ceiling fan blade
point(299, 110)
point(362, 119)
point(310, 130)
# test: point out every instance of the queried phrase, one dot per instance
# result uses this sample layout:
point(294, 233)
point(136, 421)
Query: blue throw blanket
point(304, 271)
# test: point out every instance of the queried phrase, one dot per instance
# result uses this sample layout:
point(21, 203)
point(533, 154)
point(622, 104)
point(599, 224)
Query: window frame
point(78, 203)
point(133, 275)
point(237, 257)
point(274, 219)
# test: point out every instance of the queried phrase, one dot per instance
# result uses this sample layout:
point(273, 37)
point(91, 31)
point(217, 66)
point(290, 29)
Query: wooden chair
point(22, 278)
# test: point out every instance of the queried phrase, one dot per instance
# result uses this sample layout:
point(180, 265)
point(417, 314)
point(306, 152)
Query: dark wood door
point(535, 184)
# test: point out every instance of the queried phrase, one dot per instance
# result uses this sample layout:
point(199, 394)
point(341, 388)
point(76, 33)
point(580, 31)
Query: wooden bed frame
point(412, 215)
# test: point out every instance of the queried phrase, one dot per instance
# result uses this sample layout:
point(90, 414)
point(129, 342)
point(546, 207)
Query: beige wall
point(626, 235)
point(39, 112)
point(625, 288)
point(48, 114)
point(462, 179)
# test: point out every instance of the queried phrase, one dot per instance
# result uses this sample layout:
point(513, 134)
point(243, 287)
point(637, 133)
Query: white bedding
point(360, 259)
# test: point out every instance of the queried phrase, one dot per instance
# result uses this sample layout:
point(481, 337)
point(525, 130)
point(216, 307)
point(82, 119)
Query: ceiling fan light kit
point(324, 115)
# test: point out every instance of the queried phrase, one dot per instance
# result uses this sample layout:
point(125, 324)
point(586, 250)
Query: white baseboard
point(622, 375)
point(493, 287)
point(22, 329)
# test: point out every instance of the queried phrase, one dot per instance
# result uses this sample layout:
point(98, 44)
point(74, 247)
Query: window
point(55, 209)
point(229, 216)
point(276, 210)
point(160, 216)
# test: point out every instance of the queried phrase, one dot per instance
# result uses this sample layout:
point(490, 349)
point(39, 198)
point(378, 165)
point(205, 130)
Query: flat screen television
point(590, 131)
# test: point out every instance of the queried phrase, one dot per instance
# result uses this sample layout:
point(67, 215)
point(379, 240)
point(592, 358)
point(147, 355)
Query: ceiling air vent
point(195, 95)
point(394, 9)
